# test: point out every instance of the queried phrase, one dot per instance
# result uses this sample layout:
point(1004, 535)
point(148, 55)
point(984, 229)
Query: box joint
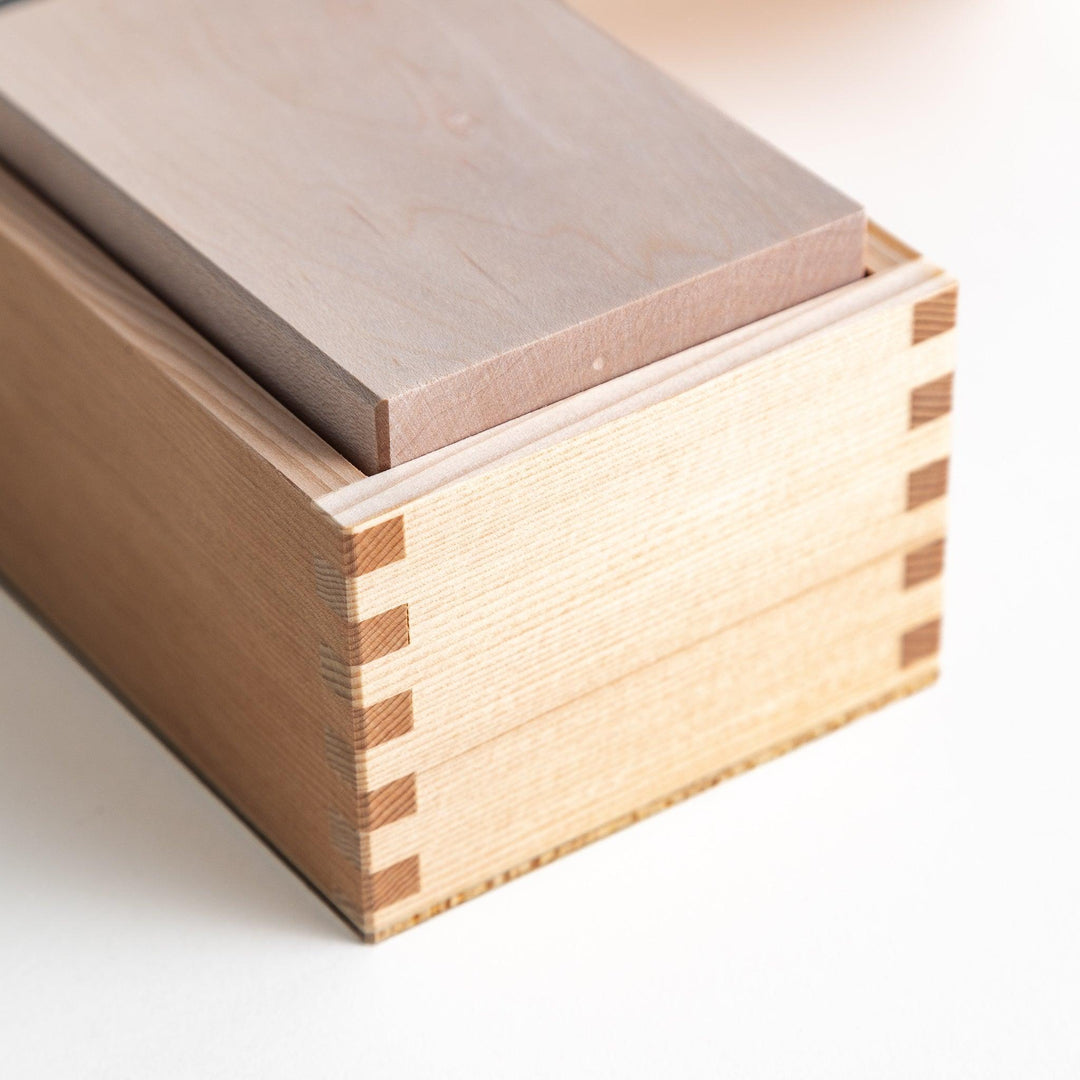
point(365, 725)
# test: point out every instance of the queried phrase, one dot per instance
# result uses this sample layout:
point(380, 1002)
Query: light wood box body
point(420, 684)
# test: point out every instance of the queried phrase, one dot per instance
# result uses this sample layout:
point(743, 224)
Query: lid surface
point(411, 219)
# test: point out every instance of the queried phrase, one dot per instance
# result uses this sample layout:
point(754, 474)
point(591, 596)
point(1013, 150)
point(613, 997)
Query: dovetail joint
point(380, 635)
point(375, 547)
point(387, 804)
point(368, 725)
point(341, 677)
point(385, 720)
point(920, 643)
point(935, 315)
point(924, 564)
point(362, 552)
point(373, 639)
point(386, 887)
point(928, 483)
point(341, 757)
point(332, 588)
point(931, 400)
point(345, 837)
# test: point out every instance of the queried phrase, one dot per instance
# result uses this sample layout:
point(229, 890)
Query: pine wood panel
point(898, 276)
point(824, 543)
point(920, 642)
point(157, 508)
point(931, 400)
point(935, 315)
point(924, 564)
point(700, 712)
point(785, 467)
point(411, 220)
point(327, 648)
point(927, 483)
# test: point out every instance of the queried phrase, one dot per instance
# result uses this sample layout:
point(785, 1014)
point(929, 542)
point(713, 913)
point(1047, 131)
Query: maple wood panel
point(411, 219)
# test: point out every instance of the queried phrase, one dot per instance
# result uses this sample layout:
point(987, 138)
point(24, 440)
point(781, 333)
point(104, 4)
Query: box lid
point(411, 219)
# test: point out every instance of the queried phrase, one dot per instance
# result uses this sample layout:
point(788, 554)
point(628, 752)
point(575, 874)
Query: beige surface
point(414, 220)
point(895, 901)
point(408, 681)
point(749, 692)
point(554, 595)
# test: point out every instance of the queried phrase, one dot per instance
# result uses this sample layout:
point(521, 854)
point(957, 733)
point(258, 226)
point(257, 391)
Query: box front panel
point(789, 531)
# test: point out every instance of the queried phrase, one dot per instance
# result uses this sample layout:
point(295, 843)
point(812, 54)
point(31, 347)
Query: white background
point(901, 899)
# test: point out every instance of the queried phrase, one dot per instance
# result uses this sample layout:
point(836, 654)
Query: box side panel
point(530, 586)
point(166, 528)
point(678, 726)
point(791, 536)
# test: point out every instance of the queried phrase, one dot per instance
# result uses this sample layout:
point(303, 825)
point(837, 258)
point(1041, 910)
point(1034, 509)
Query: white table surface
point(901, 899)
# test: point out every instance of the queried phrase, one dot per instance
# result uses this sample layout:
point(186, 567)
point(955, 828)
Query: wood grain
point(411, 219)
point(394, 883)
point(899, 278)
point(418, 913)
point(156, 507)
point(927, 483)
point(935, 315)
point(698, 712)
point(920, 643)
point(380, 635)
point(387, 804)
point(924, 564)
point(384, 720)
point(421, 683)
point(931, 400)
point(380, 545)
point(581, 636)
point(787, 470)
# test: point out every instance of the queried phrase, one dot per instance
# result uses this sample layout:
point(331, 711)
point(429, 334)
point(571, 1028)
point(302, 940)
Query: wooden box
point(421, 684)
